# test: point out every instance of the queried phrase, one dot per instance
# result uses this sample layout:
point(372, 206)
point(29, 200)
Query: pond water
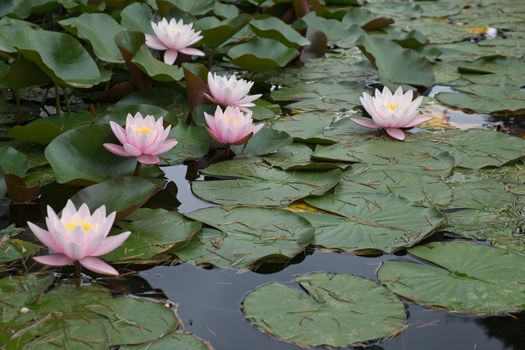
point(210, 300)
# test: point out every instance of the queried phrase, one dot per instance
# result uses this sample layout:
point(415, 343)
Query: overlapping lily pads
point(370, 223)
point(243, 237)
point(257, 183)
point(464, 277)
point(333, 310)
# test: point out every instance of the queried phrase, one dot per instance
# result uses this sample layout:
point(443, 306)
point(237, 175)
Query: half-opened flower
point(231, 127)
point(144, 138)
point(173, 37)
point(391, 111)
point(79, 236)
point(230, 91)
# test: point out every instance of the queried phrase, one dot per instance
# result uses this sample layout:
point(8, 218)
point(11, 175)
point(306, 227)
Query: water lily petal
point(396, 133)
point(43, 236)
point(191, 51)
point(170, 56)
point(98, 266)
point(367, 123)
point(110, 243)
point(54, 259)
point(116, 149)
point(148, 159)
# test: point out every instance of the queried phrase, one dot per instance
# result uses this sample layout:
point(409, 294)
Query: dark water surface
point(210, 300)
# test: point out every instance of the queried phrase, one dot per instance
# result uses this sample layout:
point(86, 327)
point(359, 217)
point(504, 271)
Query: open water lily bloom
point(231, 127)
point(391, 112)
point(173, 37)
point(79, 236)
point(230, 91)
point(144, 138)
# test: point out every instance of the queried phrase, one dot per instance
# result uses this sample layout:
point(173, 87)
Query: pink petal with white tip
point(53, 259)
point(43, 236)
point(116, 149)
point(110, 243)
point(98, 266)
point(396, 133)
point(367, 123)
point(148, 159)
point(192, 52)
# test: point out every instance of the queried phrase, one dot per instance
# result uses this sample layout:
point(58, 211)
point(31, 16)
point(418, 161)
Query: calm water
point(210, 300)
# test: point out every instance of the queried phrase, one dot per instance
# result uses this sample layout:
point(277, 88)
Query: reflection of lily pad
point(246, 236)
point(371, 222)
point(464, 277)
point(257, 183)
point(334, 310)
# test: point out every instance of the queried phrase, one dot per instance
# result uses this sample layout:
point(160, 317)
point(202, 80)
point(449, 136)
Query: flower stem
point(57, 100)
point(228, 151)
point(77, 273)
point(137, 169)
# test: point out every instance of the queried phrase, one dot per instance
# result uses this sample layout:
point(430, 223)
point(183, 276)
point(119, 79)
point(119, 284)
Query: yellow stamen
point(143, 130)
point(72, 224)
point(392, 106)
point(173, 30)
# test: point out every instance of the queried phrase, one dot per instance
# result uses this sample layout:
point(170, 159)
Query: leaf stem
point(137, 169)
point(78, 268)
point(57, 100)
point(66, 97)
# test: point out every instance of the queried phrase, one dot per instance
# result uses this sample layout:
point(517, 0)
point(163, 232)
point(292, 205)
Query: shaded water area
point(210, 300)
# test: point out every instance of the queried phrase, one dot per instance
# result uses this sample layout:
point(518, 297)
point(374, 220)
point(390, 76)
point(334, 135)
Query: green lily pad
point(476, 149)
point(464, 277)
point(13, 161)
point(371, 223)
point(266, 141)
point(245, 237)
point(335, 310)
point(137, 16)
point(175, 340)
point(44, 130)
point(12, 248)
point(193, 143)
point(297, 157)
point(100, 30)
point(257, 183)
point(60, 56)
point(262, 54)
point(485, 98)
point(318, 128)
point(216, 32)
point(274, 28)
point(397, 65)
point(154, 68)
point(425, 190)
point(343, 34)
point(153, 231)
point(78, 155)
point(123, 194)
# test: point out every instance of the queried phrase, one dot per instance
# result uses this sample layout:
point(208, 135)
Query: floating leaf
point(266, 141)
point(44, 130)
point(123, 194)
point(257, 183)
point(154, 68)
point(464, 277)
point(12, 248)
point(78, 155)
point(137, 16)
point(60, 56)
point(274, 28)
point(397, 65)
point(245, 237)
point(193, 143)
point(175, 340)
point(371, 222)
point(100, 30)
point(153, 231)
point(262, 54)
point(297, 157)
point(335, 310)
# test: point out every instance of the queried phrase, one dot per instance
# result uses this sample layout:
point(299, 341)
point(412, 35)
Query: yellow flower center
point(478, 30)
point(143, 130)
point(72, 224)
point(235, 119)
point(392, 106)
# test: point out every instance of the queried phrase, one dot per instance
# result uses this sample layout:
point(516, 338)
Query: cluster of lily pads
point(310, 173)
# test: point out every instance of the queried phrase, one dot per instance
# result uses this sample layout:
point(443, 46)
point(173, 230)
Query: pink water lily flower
point(79, 236)
point(391, 112)
point(173, 37)
point(230, 91)
point(143, 138)
point(231, 127)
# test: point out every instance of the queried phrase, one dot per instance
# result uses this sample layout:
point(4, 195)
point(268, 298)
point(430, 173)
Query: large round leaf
point(123, 194)
point(154, 68)
point(370, 222)
point(153, 231)
point(257, 183)
point(60, 55)
point(246, 236)
point(335, 310)
point(464, 277)
point(176, 340)
point(274, 28)
point(78, 155)
point(262, 54)
point(100, 30)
